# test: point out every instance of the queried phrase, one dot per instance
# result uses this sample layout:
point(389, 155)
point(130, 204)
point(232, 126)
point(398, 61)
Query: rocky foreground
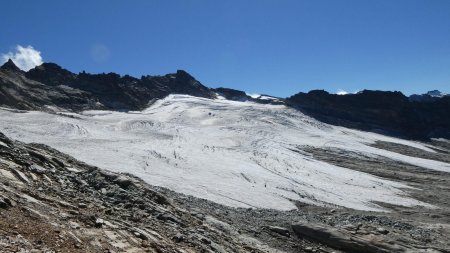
point(51, 202)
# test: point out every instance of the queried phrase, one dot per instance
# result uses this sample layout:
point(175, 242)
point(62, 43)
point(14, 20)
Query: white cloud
point(25, 58)
point(341, 92)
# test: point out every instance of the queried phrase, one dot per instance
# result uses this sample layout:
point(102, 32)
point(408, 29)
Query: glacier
point(240, 154)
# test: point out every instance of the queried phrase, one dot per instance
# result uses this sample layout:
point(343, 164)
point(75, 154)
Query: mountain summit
point(9, 65)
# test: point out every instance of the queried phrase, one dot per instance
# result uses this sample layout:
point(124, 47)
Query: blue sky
point(277, 47)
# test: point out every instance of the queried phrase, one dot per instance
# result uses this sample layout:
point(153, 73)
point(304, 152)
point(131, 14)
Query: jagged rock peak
point(185, 81)
point(181, 72)
point(9, 65)
point(183, 75)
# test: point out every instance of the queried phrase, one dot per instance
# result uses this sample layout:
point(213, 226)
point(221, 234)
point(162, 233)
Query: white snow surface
point(240, 154)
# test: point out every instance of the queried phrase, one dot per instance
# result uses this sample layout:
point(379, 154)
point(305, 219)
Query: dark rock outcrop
point(129, 93)
point(19, 92)
point(51, 85)
point(237, 95)
point(232, 94)
point(360, 240)
point(51, 74)
point(379, 111)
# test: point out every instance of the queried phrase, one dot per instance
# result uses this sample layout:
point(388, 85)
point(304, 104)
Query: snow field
point(239, 154)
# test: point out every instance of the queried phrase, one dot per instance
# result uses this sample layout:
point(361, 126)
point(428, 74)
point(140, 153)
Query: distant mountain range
point(50, 87)
point(428, 97)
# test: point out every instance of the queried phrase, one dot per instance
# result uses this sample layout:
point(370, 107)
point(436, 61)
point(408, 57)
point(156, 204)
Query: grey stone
point(123, 181)
point(279, 230)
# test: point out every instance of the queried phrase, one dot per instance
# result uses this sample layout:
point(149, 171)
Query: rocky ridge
point(386, 112)
point(49, 86)
point(430, 96)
